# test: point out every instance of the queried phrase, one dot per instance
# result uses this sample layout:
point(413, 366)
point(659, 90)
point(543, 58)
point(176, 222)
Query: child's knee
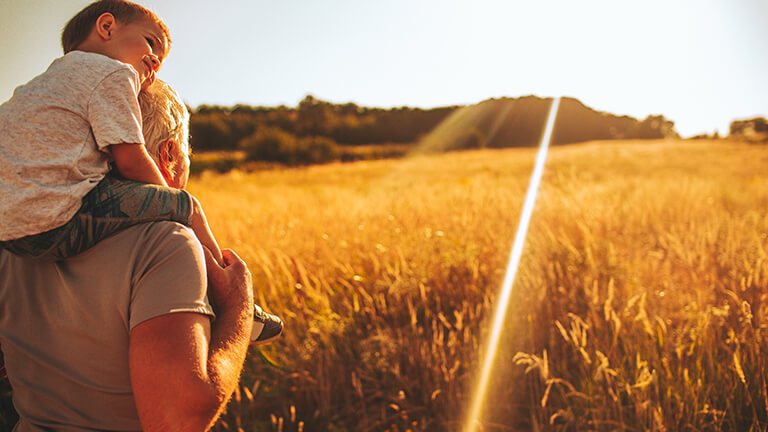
point(193, 202)
point(197, 208)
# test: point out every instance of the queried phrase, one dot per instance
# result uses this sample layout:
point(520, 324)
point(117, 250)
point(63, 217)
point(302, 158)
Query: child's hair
point(164, 117)
point(79, 27)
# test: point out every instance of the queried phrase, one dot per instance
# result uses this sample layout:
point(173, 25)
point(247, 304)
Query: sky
point(700, 63)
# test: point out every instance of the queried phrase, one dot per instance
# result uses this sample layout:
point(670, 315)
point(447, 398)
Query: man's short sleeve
point(113, 109)
point(169, 276)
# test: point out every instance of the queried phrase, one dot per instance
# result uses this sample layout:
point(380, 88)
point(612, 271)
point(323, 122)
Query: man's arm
point(183, 368)
point(134, 163)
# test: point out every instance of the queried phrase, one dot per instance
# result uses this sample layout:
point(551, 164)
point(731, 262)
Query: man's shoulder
point(133, 243)
point(153, 234)
point(167, 271)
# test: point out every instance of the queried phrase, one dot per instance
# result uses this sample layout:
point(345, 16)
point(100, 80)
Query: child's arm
point(134, 163)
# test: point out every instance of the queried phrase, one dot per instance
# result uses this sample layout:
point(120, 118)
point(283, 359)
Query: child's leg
point(113, 205)
point(199, 225)
point(143, 202)
point(138, 202)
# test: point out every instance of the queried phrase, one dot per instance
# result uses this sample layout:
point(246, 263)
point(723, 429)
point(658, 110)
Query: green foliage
point(494, 123)
point(222, 128)
point(315, 117)
point(267, 144)
point(222, 161)
point(313, 150)
point(272, 144)
point(209, 132)
point(757, 124)
point(755, 129)
point(654, 127)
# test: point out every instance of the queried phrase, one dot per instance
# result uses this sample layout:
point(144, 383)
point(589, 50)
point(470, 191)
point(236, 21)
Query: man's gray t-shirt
point(65, 325)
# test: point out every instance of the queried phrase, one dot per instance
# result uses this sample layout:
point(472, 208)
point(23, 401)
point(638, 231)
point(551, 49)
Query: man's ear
point(166, 157)
point(104, 25)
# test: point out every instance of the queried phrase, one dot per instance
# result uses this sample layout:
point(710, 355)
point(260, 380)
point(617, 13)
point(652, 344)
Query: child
point(59, 132)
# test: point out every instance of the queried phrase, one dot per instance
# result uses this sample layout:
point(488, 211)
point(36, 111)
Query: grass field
point(640, 303)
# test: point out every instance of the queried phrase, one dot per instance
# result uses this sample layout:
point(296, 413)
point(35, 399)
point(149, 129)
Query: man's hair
point(164, 116)
point(79, 27)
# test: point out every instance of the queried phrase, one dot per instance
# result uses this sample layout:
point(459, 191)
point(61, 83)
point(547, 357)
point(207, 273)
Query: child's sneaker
point(266, 327)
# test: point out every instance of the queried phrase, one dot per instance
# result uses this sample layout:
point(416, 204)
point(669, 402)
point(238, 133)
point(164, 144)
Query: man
point(121, 337)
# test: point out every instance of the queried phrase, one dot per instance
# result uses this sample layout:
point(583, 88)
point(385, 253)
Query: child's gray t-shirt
point(55, 134)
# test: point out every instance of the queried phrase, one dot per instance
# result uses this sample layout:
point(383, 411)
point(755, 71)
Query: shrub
point(275, 145)
point(267, 144)
point(315, 150)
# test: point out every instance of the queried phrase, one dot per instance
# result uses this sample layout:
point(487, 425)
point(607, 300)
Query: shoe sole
point(258, 327)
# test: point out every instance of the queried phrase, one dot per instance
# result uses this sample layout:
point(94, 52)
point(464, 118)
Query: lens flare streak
point(473, 420)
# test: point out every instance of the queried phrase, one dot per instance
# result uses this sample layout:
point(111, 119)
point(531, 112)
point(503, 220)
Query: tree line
point(319, 131)
point(224, 128)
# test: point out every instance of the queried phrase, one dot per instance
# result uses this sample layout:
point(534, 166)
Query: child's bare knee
point(196, 207)
point(197, 210)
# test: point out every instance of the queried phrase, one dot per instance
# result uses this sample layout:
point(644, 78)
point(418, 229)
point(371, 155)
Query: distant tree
point(272, 144)
point(268, 144)
point(654, 127)
point(281, 117)
point(315, 117)
point(210, 131)
point(749, 127)
point(311, 150)
point(753, 130)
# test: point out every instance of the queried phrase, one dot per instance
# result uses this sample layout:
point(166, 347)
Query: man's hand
point(230, 286)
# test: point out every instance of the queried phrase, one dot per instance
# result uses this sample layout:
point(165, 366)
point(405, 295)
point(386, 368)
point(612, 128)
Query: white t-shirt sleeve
point(113, 110)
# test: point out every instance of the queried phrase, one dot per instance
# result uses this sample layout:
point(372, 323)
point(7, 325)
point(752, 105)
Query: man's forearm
point(197, 365)
point(198, 361)
point(230, 336)
point(231, 295)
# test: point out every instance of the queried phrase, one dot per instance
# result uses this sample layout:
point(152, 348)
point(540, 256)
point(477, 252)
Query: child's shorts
point(113, 205)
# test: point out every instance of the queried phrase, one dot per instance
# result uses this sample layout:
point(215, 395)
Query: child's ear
point(104, 25)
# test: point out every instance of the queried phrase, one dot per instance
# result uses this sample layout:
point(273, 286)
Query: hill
point(510, 122)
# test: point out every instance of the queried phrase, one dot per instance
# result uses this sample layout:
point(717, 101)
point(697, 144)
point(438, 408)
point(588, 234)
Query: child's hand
point(230, 286)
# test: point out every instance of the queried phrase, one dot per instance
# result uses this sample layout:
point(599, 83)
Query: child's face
point(141, 44)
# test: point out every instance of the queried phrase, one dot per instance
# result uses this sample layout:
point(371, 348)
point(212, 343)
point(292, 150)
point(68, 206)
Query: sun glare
point(473, 420)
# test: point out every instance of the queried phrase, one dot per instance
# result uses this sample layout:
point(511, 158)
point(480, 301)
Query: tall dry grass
point(639, 304)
